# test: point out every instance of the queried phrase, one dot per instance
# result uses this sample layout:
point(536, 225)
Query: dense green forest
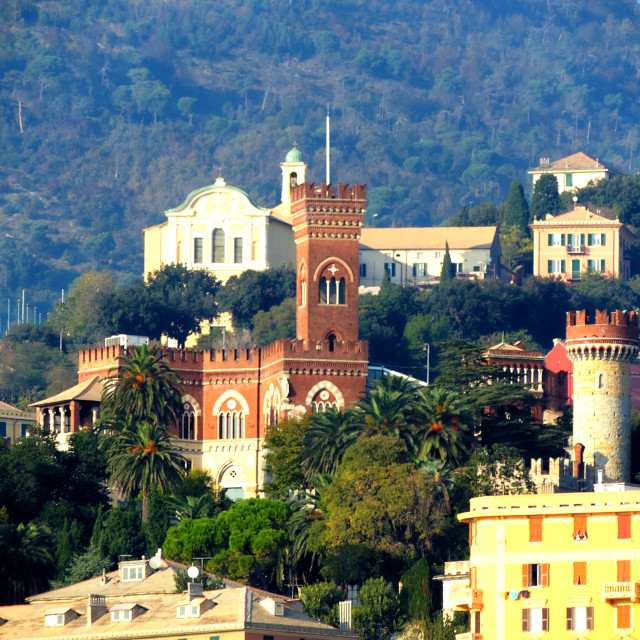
point(112, 111)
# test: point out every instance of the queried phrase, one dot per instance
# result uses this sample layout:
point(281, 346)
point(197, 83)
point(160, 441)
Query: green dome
point(294, 155)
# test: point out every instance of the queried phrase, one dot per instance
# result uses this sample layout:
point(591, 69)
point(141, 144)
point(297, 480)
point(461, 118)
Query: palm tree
point(330, 434)
point(26, 561)
point(142, 457)
point(389, 409)
point(192, 507)
point(142, 386)
point(444, 424)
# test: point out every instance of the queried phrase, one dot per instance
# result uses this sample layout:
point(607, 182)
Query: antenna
point(328, 180)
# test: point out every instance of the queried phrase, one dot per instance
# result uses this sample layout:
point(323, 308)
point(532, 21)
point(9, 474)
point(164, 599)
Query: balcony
point(621, 591)
point(468, 636)
point(467, 599)
point(576, 249)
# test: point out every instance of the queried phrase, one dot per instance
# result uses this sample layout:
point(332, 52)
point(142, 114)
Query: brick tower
point(601, 353)
point(327, 235)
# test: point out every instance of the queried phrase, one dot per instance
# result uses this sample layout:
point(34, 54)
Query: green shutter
point(590, 239)
point(549, 266)
point(561, 266)
point(562, 239)
point(582, 239)
point(549, 239)
point(602, 242)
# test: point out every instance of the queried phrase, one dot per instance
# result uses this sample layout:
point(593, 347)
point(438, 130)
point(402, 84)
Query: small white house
point(414, 255)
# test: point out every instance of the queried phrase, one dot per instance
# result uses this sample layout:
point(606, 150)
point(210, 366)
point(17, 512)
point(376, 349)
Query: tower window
point(332, 291)
point(217, 246)
point(293, 179)
point(186, 430)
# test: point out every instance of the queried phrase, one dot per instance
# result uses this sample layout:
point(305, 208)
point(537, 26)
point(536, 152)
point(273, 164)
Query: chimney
point(96, 608)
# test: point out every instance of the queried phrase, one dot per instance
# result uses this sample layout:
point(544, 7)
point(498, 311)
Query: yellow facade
point(572, 244)
point(553, 566)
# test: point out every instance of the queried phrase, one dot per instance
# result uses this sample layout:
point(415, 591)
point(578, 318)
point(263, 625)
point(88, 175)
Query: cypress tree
point(448, 269)
point(516, 212)
point(545, 198)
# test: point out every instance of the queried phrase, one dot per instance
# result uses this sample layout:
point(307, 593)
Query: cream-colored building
point(15, 423)
point(574, 171)
point(414, 255)
point(218, 228)
point(578, 242)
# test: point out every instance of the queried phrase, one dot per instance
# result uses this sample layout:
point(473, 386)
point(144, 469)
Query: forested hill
point(111, 111)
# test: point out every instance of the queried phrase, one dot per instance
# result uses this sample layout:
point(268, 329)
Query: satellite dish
point(155, 562)
point(193, 572)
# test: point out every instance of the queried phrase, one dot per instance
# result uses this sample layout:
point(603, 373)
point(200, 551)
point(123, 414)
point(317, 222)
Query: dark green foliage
point(377, 617)
point(278, 322)
point(516, 211)
point(120, 533)
point(320, 601)
point(253, 291)
point(448, 271)
point(415, 596)
point(545, 199)
point(114, 134)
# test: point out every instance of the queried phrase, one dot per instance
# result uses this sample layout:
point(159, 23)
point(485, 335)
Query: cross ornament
point(333, 269)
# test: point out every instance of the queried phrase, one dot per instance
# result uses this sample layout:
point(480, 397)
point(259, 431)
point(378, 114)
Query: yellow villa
point(565, 565)
point(572, 244)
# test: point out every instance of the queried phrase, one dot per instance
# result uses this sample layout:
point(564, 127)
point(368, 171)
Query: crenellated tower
point(601, 352)
point(326, 229)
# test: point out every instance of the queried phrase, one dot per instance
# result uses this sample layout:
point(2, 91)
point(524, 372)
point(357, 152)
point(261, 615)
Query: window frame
point(580, 527)
point(580, 573)
point(198, 248)
point(218, 246)
point(527, 622)
point(238, 250)
point(624, 526)
point(535, 529)
point(572, 618)
point(535, 575)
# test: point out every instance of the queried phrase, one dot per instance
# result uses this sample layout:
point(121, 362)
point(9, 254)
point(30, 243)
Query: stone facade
point(601, 352)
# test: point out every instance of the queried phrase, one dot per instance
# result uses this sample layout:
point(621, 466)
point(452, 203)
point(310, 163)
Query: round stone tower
point(601, 353)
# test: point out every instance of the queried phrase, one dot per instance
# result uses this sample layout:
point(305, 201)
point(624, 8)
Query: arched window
point(332, 290)
point(187, 426)
point(231, 425)
point(293, 179)
point(332, 341)
point(324, 291)
point(601, 381)
point(217, 245)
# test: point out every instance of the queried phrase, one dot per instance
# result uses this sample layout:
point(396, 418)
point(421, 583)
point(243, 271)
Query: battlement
point(321, 350)
point(308, 191)
point(619, 326)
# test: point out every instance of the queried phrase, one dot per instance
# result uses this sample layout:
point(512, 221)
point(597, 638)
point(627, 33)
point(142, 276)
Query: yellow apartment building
point(578, 242)
point(565, 565)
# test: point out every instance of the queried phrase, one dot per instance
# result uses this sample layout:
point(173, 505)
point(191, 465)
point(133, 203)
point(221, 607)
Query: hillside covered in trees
point(111, 111)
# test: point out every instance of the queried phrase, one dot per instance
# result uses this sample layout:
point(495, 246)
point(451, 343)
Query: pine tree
point(545, 198)
point(516, 212)
point(448, 269)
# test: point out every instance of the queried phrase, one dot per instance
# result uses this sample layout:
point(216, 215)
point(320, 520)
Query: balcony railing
point(575, 248)
point(621, 591)
point(467, 599)
point(468, 636)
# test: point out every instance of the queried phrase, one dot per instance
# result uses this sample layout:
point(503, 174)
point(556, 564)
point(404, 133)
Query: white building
point(414, 255)
point(218, 228)
point(574, 172)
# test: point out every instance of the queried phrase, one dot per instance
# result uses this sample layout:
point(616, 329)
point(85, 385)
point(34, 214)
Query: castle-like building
point(601, 350)
point(233, 396)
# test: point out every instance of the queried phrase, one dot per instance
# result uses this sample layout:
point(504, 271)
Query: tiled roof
point(427, 238)
point(579, 214)
point(577, 162)
point(90, 390)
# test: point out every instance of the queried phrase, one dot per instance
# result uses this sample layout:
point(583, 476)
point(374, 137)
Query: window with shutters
point(579, 618)
point(535, 575)
point(535, 529)
point(580, 527)
point(580, 573)
point(623, 569)
point(624, 526)
point(535, 620)
point(596, 239)
point(557, 239)
point(623, 616)
point(555, 266)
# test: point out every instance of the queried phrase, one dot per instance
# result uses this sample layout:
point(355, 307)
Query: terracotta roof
point(577, 162)
point(89, 390)
point(579, 214)
point(428, 238)
point(506, 350)
point(4, 406)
